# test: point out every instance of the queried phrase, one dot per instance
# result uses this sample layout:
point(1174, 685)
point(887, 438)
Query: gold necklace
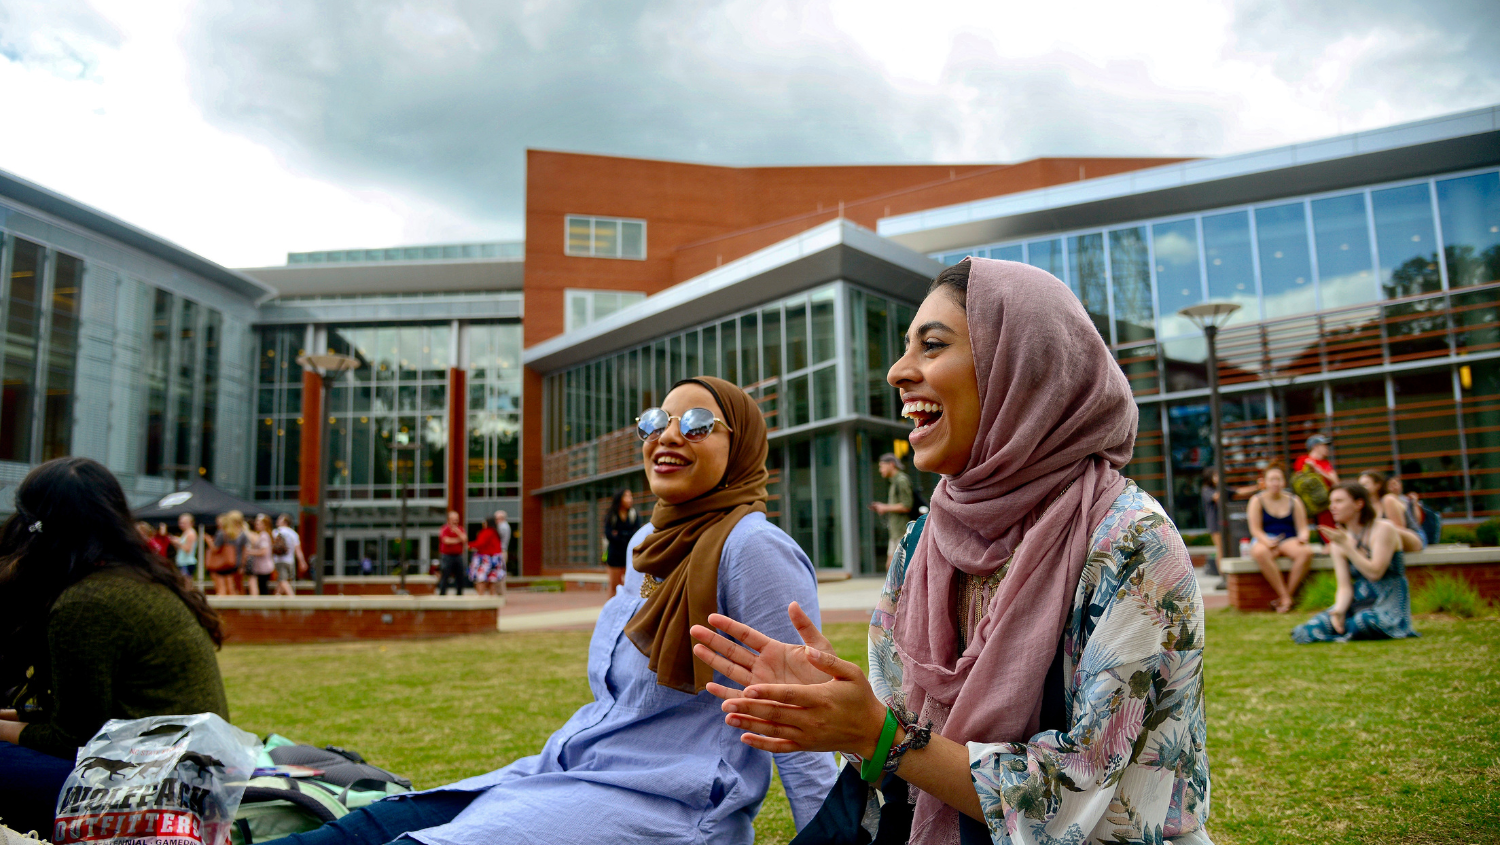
point(649, 583)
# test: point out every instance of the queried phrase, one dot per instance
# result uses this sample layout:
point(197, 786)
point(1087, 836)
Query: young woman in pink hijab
point(1036, 657)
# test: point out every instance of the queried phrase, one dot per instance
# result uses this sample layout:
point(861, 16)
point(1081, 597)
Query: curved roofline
point(64, 208)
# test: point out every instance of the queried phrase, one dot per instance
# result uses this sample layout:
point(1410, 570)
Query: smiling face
point(678, 469)
point(939, 391)
point(1367, 481)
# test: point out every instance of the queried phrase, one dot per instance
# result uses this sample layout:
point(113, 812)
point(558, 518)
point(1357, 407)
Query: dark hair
point(957, 278)
point(1379, 480)
point(71, 520)
point(619, 497)
point(1361, 495)
point(1276, 465)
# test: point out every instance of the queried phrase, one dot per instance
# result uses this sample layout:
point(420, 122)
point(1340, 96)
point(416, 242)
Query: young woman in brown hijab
point(650, 759)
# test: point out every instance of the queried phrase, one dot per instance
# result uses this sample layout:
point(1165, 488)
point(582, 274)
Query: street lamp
point(1210, 316)
point(328, 367)
point(403, 444)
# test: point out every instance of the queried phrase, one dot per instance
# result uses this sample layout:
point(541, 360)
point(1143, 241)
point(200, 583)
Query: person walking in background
point(95, 626)
point(187, 546)
point(224, 550)
point(286, 554)
point(620, 524)
point(1373, 599)
point(259, 561)
point(488, 555)
point(898, 505)
point(502, 528)
point(1313, 476)
point(1278, 522)
point(1208, 498)
point(161, 541)
point(451, 543)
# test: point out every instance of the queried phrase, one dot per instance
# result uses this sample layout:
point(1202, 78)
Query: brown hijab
point(683, 551)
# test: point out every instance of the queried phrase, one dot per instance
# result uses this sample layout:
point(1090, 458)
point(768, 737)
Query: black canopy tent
point(201, 499)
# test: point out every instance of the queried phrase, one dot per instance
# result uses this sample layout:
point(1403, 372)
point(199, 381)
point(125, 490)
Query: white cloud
point(243, 130)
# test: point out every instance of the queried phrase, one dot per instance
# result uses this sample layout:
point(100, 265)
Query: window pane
point(1285, 263)
point(674, 356)
point(1014, 252)
point(580, 238)
point(879, 355)
point(578, 310)
point(693, 366)
point(730, 352)
point(796, 336)
point(606, 238)
point(825, 393)
point(1179, 282)
point(1231, 271)
point(1342, 236)
point(1046, 255)
point(1406, 241)
point(711, 351)
point(798, 408)
point(826, 449)
point(770, 342)
point(749, 350)
point(1135, 317)
point(1086, 278)
point(1470, 210)
point(62, 344)
point(632, 240)
point(823, 339)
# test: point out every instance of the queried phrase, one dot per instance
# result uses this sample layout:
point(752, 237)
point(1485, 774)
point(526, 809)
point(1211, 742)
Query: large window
point(605, 237)
point(22, 323)
point(181, 374)
point(398, 394)
point(279, 421)
point(494, 409)
point(589, 306)
point(1282, 259)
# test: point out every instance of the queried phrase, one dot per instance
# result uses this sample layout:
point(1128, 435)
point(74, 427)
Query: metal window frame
point(593, 252)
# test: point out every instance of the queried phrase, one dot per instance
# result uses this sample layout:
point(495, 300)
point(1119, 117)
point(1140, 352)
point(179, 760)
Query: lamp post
point(328, 367)
point(1210, 316)
point(403, 444)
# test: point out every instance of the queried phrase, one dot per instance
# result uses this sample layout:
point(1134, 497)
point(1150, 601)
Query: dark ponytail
point(72, 519)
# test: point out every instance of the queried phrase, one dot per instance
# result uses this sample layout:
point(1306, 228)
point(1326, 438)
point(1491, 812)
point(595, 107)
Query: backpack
point(278, 544)
point(918, 501)
point(1432, 524)
point(1312, 489)
point(276, 804)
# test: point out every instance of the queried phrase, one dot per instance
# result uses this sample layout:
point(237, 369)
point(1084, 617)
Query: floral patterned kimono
point(1132, 655)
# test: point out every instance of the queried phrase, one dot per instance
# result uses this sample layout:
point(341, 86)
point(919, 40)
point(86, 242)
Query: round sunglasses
point(695, 424)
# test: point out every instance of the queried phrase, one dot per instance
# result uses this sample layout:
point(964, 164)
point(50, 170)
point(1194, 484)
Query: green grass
point(1372, 742)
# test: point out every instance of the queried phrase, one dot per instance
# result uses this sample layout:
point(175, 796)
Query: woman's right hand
point(761, 660)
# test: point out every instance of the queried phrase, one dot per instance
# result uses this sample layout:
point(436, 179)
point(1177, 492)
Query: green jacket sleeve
point(86, 642)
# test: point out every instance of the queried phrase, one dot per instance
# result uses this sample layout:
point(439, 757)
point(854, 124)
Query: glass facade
point(278, 411)
point(494, 378)
point(827, 405)
point(1369, 314)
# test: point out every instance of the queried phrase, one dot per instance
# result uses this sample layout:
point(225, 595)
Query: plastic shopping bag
point(162, 780)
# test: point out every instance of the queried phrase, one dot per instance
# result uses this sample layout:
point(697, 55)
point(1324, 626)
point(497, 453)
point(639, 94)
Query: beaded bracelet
point(871, 770)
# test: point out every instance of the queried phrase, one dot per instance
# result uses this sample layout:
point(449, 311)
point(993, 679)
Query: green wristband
point(871, 770)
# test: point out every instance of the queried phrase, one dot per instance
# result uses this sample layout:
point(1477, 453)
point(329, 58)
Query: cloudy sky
point(244, 129)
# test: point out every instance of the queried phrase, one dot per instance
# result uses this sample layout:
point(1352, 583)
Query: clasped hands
point(795, 697)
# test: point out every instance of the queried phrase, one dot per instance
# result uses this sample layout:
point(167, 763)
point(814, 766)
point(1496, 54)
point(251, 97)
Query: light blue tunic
point(645, 763)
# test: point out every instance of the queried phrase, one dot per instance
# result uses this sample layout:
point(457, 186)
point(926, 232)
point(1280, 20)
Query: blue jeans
point(386, 821)
point(29, 784)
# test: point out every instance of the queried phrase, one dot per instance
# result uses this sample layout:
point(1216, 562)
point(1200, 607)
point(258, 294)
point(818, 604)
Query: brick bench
point(293, 619)
point(1249, 590)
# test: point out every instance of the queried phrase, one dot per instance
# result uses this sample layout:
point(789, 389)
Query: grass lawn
point(1369, 742)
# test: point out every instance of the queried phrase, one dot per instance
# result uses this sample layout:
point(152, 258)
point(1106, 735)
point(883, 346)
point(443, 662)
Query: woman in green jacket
point(107, 630)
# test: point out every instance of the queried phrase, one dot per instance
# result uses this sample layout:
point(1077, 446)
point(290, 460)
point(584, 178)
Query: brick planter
point(291, 619)
point(1248, 589)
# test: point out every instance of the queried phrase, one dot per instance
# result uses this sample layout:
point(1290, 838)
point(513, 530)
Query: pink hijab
point(1056, 417)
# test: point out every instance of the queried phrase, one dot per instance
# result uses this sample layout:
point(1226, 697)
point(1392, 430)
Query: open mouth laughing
point(924, 413)
point(668, 462)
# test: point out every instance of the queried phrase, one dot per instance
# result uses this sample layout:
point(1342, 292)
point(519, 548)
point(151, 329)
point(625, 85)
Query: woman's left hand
point(1335, 536)
point(761, 659)
point(840, 714)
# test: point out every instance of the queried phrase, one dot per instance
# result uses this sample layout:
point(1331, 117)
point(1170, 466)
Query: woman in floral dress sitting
point(1036, 655)
point(1373, 601)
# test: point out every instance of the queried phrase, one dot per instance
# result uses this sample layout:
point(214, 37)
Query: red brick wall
point(1250, 590)
point(300, 626)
